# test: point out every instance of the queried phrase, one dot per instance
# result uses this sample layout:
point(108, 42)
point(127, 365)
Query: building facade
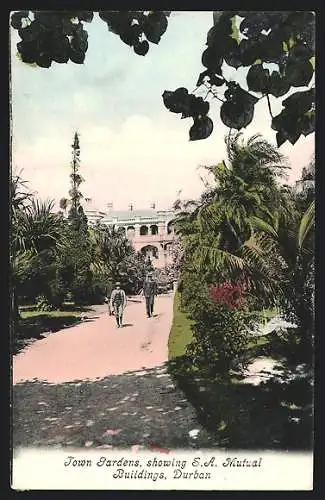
point(150, 231)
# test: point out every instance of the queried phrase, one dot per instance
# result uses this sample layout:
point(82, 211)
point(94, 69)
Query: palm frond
point(261, 225)
point(211, 256)
point(306, 224)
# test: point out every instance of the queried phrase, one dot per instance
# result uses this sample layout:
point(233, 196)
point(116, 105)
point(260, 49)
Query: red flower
point(228, 294)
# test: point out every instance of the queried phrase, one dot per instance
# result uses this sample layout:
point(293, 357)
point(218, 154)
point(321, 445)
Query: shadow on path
point(137, 408)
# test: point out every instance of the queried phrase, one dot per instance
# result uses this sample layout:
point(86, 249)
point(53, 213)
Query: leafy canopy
point(277, 48)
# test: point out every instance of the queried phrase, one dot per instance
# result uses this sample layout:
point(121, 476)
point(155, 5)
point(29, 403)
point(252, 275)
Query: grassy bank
point(181, 333)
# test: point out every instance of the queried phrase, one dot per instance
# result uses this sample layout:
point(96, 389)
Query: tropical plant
point(294, 264)
point(35, 230)
point(20, 195)
point(218, 231)
point(37, 227)
point(110, 248)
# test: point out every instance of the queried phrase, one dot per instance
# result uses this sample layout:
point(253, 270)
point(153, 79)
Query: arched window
point(168, 248)
point(170, 227)
point(130, 231)
point(143, 231)
point(150, 251)
point(154, 229)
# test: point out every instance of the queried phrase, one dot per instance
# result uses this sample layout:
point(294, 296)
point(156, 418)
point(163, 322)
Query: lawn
point(181, 333)
point(48, 314)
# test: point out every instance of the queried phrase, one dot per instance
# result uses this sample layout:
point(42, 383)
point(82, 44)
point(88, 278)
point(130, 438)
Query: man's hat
point(118, 283)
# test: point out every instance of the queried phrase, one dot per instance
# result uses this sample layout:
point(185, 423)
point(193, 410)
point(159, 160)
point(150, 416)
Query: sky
point(133, 150)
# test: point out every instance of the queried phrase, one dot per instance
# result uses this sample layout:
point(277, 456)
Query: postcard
point(162, 221)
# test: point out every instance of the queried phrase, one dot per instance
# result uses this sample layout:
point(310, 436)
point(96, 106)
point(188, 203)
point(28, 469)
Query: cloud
point(132, 148)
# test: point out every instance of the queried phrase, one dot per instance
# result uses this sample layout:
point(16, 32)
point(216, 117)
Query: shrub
point(194, 293)
point(42, 304)
point(221, 331)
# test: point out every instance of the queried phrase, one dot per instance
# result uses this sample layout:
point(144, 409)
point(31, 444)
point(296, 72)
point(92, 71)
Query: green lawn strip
point(181, 333)
point(49, 314)
point(66, 306)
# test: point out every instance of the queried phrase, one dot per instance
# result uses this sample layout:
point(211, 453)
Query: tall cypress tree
point(76, 259)
point(77, 218)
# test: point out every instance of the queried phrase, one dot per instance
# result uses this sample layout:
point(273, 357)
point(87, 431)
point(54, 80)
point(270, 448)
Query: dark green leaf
point(299, 74)
point(16, 19)
point(175, 101)
point(253, 23)
point(300, 101)
point(280, 138)
point(271, 49)
point(201, 128)
point(131, 35)
point(278, 85)
point(78, 44)
point(308, 123)
point(238, 111)
point(201, 78)
point(77, 57)
point(233, 58)
point(141, 48)
point(216, 81)
point(212, 61)
point(300, 52)
point(258, 79)
point(198, 106)
point(86, 15)
point(43, 60)
point(249, 51)
point(236, 116)
point(155, 26)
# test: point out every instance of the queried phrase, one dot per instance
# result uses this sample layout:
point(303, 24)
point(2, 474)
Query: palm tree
point(294, 250)
point(20, 195)
point(218, 230)
point(34, 228)
point(109, 249)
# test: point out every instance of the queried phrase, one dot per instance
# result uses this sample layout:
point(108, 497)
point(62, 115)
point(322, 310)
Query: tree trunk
point(14, 310)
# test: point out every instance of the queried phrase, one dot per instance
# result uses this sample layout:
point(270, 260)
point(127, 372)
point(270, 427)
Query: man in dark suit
point(149, 292)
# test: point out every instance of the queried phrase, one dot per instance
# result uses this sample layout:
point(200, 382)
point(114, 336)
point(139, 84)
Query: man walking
point(149, 292)
point(118, 303)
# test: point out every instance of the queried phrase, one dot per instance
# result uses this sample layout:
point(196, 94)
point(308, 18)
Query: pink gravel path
point(97, 348)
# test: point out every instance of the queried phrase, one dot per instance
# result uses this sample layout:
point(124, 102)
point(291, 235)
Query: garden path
point(96, 348)
point(97, 386)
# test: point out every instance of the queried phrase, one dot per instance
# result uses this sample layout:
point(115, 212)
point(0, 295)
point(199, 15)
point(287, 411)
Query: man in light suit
point(118, 303)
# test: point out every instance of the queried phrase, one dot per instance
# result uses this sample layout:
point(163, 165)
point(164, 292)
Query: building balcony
point(151, 238)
